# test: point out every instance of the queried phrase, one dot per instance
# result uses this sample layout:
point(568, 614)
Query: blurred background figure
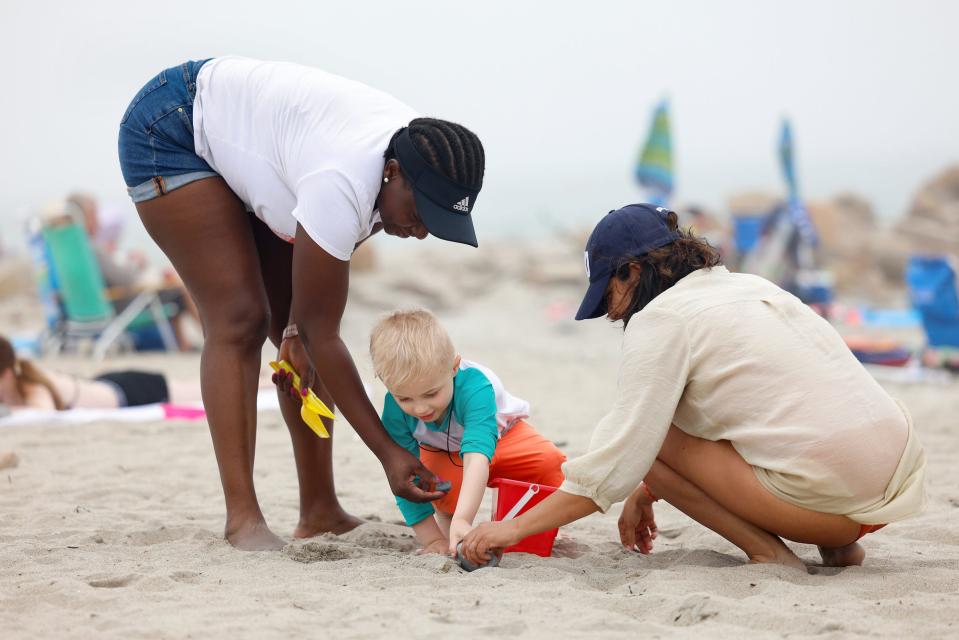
point(705, 224)
point(128, 274)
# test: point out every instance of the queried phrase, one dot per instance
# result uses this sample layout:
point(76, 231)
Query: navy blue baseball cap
point(625, 233)
point(444, 205)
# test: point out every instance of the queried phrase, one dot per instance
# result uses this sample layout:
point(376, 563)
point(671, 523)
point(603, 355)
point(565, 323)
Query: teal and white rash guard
point(482, 411)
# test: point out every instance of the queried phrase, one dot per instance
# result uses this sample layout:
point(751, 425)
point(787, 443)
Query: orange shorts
point(521, 454)
point(869, 528)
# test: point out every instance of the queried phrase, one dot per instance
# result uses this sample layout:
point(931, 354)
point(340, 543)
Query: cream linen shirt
point(728, 356)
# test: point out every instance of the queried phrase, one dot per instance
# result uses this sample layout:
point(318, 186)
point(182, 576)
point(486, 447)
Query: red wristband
point(648, 492)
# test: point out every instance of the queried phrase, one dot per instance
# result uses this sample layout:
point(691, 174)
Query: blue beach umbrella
point(797, 211)
point(786, 252)
point(787, 158)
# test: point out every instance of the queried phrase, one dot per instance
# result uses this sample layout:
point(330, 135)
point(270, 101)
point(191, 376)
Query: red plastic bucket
point(513, 493)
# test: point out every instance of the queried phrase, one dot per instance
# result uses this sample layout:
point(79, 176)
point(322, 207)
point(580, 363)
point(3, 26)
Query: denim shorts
point(157, 152)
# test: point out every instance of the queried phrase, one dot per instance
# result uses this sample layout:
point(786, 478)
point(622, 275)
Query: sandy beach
point(116, 530)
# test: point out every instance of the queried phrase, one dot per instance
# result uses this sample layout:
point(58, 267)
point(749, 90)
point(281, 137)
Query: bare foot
point(441, 547)
point(253, 536)
point(336, 522)
point(778, 554)
point(846, 556)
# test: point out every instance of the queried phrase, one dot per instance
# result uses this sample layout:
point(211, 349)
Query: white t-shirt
point(297, 144)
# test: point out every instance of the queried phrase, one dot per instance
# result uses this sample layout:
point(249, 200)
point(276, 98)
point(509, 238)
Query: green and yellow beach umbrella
point(654, 170)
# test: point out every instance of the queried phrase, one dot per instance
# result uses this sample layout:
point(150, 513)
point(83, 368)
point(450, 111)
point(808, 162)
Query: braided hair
point(450, 148)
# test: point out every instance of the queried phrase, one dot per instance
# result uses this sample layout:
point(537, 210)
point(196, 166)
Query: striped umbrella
point(787, 158)
point(654, 170)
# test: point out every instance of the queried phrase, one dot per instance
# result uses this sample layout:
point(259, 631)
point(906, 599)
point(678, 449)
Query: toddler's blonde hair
point(409, 345)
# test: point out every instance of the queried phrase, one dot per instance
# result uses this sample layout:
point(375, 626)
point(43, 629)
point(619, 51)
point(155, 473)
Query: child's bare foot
point(845, 556)
point(253, 536)
point(441, 547)
point(778, 553)
point(336, 522)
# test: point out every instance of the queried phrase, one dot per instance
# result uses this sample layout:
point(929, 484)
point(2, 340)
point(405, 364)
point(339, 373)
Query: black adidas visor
point(442, 204)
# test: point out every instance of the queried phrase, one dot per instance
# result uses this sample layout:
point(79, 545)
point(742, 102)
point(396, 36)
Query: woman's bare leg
point(204, 229)
point(723, 490)
point(758, 545)
point(320, 510)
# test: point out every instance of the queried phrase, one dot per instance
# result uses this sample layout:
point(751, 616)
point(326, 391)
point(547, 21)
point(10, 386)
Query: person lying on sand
point(736, 404)
point(23, 384)
point(456, 416)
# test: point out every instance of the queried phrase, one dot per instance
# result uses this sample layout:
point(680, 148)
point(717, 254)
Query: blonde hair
point(409, 345)
point(25, 372)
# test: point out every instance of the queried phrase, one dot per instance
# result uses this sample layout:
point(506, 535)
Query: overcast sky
point(559, 92)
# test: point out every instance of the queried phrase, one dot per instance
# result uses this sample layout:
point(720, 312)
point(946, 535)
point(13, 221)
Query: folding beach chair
point(934, 293)
point(88, 314)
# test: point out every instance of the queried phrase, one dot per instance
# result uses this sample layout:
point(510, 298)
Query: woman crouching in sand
point(736, 404)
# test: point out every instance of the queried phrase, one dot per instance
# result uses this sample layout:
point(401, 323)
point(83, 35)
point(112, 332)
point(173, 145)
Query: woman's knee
point(237, 322)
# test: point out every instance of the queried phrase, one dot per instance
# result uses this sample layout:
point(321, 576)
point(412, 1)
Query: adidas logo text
point(463, 205)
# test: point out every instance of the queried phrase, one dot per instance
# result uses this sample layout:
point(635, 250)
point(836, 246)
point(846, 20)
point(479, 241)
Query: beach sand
point(116, 530)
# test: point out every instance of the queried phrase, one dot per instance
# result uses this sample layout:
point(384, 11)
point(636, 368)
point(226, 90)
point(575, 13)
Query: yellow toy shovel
point(312, 407)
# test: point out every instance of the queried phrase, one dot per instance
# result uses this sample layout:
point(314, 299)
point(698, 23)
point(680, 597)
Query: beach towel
point(266, 400)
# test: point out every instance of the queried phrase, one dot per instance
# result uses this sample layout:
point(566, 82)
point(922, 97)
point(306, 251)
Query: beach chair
point(934, 293)
point(88, 313)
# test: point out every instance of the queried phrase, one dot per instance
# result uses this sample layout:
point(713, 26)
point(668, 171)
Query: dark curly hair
point(450, 148)
point(663, 267)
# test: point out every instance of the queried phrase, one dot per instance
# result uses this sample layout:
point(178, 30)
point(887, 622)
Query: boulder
point(848, 235)
point(752, 203)
point(932, 222)
point(846, 226)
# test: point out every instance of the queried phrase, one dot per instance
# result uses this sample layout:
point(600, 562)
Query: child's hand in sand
point(459, 527)
point(440, 545)
point(637, 527)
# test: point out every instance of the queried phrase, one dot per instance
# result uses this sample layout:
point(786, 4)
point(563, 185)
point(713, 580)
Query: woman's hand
point(408, 477)
point(488, 537)
point(459, 527)
point(292, 350)
point(637, 527)
point(400, 465)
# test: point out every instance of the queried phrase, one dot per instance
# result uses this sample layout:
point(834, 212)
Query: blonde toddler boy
point(459, 419)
